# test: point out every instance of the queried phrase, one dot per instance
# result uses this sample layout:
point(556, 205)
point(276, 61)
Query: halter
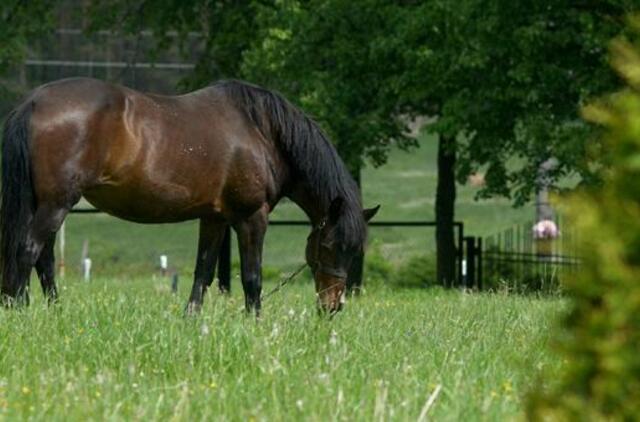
point(316, 265)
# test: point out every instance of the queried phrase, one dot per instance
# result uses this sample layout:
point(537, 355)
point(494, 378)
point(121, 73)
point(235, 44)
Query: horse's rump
point(148, 158)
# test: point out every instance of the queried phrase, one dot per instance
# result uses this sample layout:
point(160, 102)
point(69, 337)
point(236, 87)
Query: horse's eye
point(327, 243)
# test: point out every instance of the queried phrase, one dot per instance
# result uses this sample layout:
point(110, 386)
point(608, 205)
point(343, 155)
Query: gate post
point(470, 278)
point(480, 264)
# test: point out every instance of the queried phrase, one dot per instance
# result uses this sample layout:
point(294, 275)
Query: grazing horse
point(225, 155)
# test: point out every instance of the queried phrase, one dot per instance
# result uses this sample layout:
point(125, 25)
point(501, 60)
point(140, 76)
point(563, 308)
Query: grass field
point(118, 347)
point(120, 350)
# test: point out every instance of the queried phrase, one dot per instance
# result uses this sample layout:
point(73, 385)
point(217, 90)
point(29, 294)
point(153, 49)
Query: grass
point(119, 349)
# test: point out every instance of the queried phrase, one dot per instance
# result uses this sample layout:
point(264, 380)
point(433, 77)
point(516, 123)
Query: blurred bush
point(600, 338)
point(417, 271)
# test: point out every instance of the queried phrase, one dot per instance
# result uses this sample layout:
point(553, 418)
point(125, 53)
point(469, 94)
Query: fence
point(104, 55)
point(515, 259)
point(224, 262)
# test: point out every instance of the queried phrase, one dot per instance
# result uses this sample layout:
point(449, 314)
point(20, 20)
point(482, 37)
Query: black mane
point(309, 152)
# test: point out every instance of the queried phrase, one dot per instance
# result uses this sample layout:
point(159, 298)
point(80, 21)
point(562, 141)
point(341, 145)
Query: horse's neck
point(310, 203)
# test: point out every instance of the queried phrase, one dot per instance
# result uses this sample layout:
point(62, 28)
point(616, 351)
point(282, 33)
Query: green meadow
point(119, 348)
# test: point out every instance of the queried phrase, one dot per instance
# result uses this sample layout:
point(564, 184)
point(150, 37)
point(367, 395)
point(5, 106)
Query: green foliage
point(601, 334)
point(418, 271)
point(508, 85)
point(227, 29)
point(336, 59)
point(377, 269)
point(20, 23)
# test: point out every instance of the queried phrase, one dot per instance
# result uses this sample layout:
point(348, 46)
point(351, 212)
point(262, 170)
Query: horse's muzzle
point(331, 293)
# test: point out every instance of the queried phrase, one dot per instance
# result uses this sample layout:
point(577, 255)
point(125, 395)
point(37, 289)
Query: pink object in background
point(545, 229)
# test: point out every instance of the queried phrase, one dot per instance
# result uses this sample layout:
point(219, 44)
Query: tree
point(226, 27)
point(504, 81)
point(20, 23)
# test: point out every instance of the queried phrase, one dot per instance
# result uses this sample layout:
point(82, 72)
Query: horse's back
point(149, 158)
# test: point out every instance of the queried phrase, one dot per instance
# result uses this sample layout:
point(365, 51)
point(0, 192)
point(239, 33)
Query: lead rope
point(284, 282)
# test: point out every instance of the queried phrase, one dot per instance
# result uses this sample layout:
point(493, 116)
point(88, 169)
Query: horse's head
point(330, 251)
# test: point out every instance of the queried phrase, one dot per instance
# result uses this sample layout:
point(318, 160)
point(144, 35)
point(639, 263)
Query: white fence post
point(86, 269)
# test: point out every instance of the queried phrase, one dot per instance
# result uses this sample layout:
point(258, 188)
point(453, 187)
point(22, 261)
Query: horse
point(225, 155)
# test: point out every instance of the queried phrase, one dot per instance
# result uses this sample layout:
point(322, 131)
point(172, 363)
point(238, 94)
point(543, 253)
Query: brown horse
point(225, 155)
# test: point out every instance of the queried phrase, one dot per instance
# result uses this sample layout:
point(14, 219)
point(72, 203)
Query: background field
point(405, 187)
point(119, 349)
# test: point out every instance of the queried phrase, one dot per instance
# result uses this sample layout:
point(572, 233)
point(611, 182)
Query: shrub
point(418, 271)
point(377, 269)
point(600, 337)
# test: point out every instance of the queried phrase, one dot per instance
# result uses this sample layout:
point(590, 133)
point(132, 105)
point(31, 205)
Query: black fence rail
point(224, 261)
point(512, 259)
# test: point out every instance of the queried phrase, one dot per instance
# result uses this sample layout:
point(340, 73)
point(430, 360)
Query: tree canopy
point(505, 78)
point(508, 78)
point(20, 23)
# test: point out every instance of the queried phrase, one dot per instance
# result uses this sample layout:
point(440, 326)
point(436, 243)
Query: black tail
point(17, 200)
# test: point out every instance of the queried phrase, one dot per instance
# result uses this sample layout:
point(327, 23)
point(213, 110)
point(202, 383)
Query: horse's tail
point(17, 198)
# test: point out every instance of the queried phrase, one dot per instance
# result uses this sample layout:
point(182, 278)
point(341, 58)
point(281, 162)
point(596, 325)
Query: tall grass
point(121, 349)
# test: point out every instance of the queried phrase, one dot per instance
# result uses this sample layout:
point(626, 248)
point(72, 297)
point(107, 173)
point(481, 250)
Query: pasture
point(119, 349)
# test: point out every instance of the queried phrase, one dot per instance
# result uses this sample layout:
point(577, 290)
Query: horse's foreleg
point(45, 267)
point(250, 240)
point(209, 241)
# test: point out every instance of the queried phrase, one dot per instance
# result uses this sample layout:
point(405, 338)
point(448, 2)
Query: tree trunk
point(445, 209)
point(354, 276)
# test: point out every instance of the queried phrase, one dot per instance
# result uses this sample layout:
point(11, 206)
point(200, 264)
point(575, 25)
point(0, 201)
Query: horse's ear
point(369, 213)
point(336, 209)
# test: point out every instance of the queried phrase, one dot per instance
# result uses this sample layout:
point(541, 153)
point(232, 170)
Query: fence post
point(86, 269)
point(224, 263)
point(164, 265)
point(470, 245)
point(460, 252)
point(480, 264)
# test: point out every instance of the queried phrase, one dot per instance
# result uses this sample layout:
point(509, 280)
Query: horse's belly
point(150, 204)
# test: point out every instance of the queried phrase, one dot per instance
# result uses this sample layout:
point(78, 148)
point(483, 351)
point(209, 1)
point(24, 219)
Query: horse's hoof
point(192, 309)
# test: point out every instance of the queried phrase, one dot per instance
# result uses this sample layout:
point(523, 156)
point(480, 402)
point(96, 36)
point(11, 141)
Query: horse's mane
point(309, 152)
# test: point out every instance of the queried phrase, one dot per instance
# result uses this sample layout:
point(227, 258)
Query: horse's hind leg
point(40, 238)
point(45, 267)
